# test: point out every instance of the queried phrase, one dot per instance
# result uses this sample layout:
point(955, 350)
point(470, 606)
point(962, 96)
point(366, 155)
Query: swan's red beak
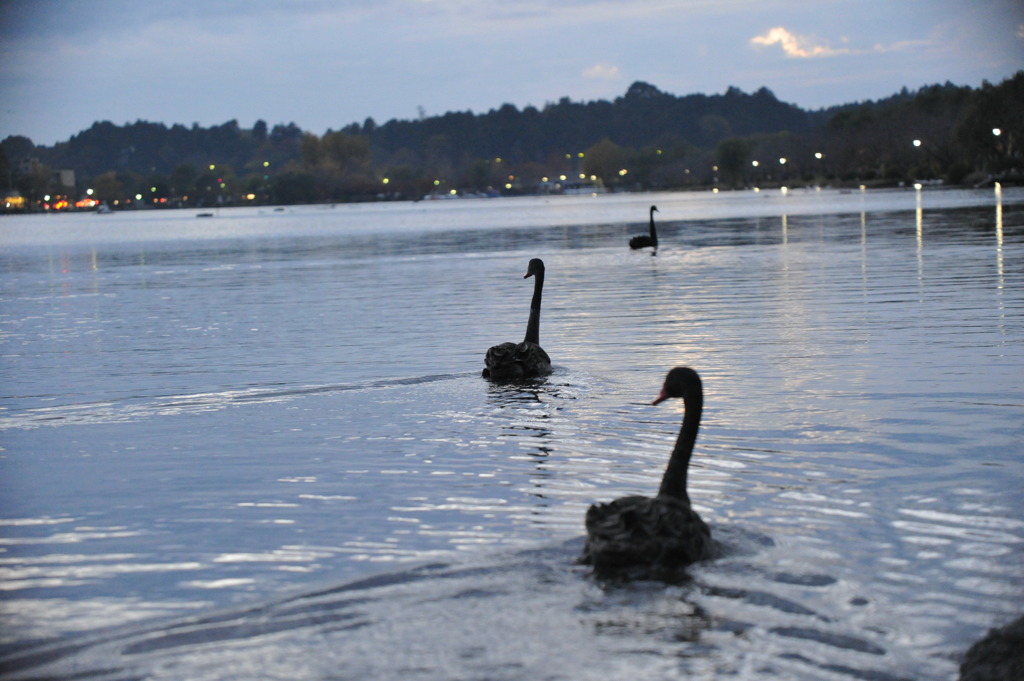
point(661, 397)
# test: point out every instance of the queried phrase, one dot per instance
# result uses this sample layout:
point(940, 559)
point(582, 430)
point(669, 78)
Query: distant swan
point(513, 361)
point(660, 533)
point(644, 241)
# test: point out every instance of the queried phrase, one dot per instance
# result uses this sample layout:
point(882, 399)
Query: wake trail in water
point(438, 620)
point(127, 409)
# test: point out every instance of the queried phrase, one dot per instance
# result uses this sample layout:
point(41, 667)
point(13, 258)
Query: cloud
point(796, 46)
point(602, 71)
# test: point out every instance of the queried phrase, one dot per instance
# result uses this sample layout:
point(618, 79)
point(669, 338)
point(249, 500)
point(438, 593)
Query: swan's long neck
point(533, 324)
point(674, 482)
point(654, 234)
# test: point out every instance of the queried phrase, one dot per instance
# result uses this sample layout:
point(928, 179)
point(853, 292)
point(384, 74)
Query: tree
point(108, 188)
point(259, 131)
point(640, 90)
point(733, 159)
point(291, 187)
point(312, 151)
point(480, 175)
point(286, 133)
point(714, 129)
point(995, 108)
point(36, 183)
point(183, 179)
point(206, 189)
point(344, 150)
point(6, 170)
point(605, 160)
point(17, 148)
point(158, 189)
point(661, 139)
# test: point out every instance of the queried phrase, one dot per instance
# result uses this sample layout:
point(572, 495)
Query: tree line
point(645, 139)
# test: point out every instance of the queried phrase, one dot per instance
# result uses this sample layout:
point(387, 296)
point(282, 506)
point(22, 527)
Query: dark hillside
point(644, 139)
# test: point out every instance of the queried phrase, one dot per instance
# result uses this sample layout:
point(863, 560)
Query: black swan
point(513, 361)
point(658, 534)
point(1000, 655)
point(644, 241)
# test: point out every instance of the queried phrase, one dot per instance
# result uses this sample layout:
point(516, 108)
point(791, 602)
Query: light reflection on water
point(202, 422)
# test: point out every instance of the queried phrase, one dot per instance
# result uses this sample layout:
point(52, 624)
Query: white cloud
point(796, 46)
point(602, 71)
point(803, 47)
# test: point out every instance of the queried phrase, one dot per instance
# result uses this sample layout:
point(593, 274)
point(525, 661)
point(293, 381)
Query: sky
point(324, 64)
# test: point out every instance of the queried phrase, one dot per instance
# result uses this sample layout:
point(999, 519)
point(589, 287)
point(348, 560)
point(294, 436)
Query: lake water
point(257, 445)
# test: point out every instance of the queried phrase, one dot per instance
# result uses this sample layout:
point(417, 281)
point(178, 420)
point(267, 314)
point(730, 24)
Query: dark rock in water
point(997, 657)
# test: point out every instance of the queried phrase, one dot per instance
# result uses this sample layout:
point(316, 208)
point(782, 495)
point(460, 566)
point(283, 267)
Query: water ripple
point(196, 421)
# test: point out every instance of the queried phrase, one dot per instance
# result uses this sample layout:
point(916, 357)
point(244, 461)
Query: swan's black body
point(663, 533)
point(514, 361)
point(645, 241)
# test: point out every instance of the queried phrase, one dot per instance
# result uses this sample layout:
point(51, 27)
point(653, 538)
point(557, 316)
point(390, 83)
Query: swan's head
point(680, 382)
point(654, 209)
point(536, 267)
